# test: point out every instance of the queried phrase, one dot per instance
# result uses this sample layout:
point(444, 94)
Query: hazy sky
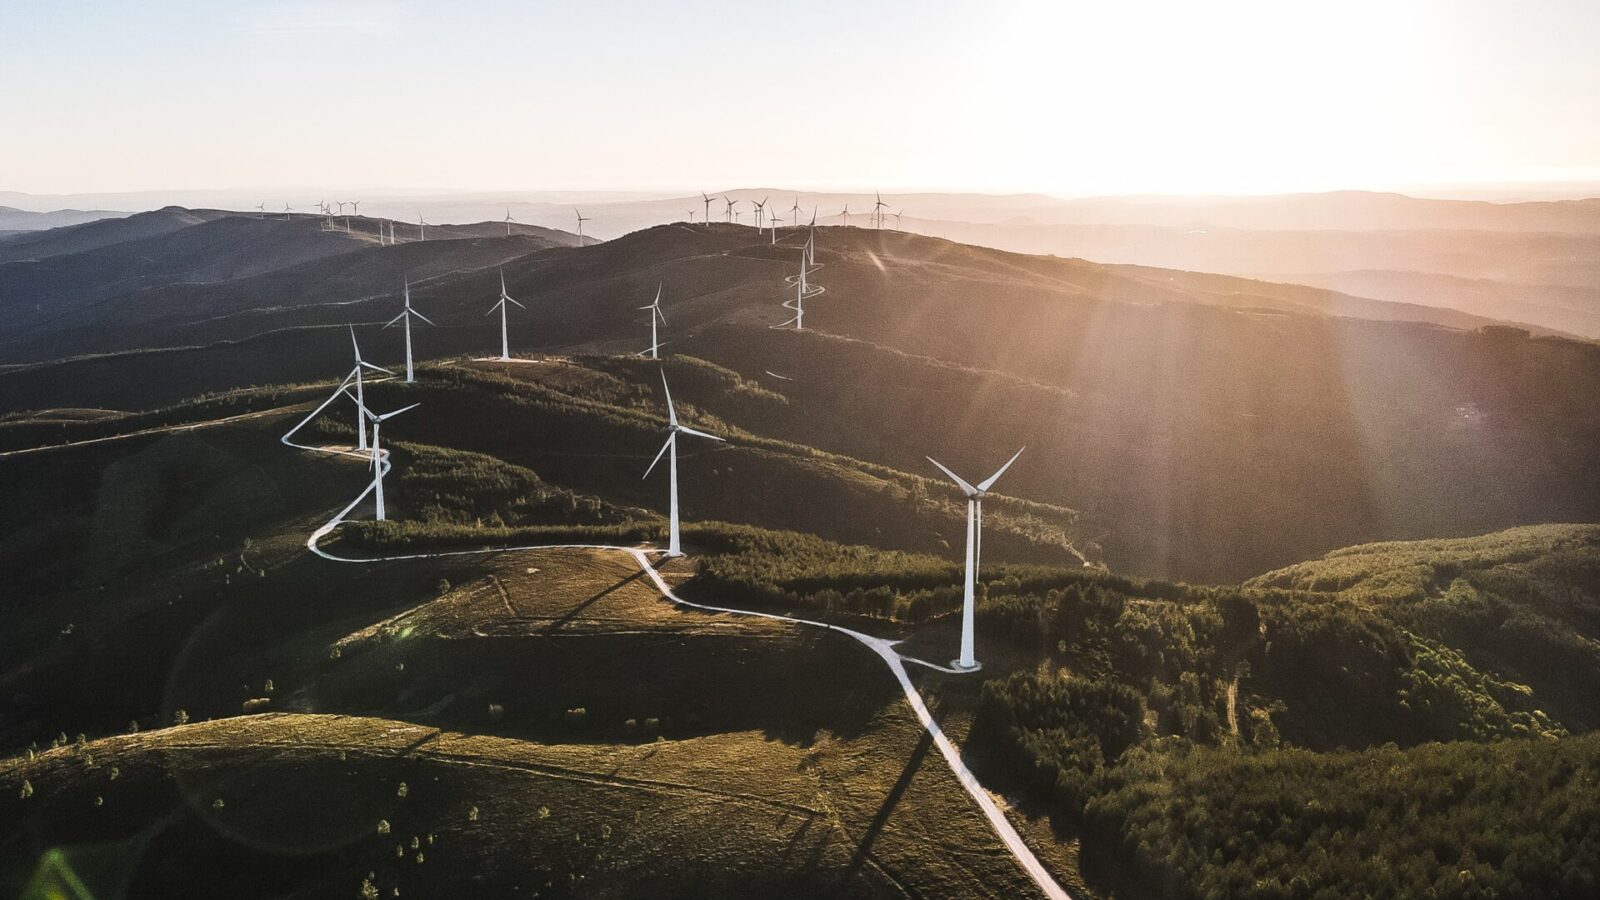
point(1063, 97)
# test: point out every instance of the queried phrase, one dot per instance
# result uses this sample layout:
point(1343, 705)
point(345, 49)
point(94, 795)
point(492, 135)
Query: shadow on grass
point(576, 610)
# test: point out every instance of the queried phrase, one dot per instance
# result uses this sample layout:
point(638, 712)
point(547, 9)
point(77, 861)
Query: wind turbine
point(286, 210)
point(846, 215)
point(795, 210)
point(707, 199)
point(360, 398)
point(761, 210)
point(377, 451)
point(406, 315)
point(505, 351)
point(422, 228)
point(729, 211)
point(261, 210)
point(656, 315)
point(691, 216)
point(509, 220)
point(355, 207)
point(897, 219)
point(673, 430)
point(975, 497)
point(581, 219)
point(341, 206)
point(877, 210)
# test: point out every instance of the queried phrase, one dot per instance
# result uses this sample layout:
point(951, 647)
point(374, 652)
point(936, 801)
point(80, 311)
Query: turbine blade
point(659, 454)
point(376, 368)
point(984, 486)
point(423, 318)
point(394, 320)
point(954, 477)
point(672, 414)
point(684, 429)
point(518, 304)
point(386, 416)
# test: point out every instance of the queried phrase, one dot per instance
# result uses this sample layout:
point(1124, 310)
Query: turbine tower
point(581, 219)
point(877, 210)
point(406, 315)
point(355, 207)
point(671, 446)
point(286, 210)
point(761, 210)
point(795, 210)
point(846, 215)
point(422, 228)
point(509, 220)
point(728, 213)
point(505, 346)
point(691, 216)
point(975, 497)
point(707, 198)
point(360, 397)
point(655, 316)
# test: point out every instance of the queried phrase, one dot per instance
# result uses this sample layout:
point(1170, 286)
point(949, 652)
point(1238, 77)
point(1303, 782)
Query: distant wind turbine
point(341, 206)
point(704, 196)
point(286, 210)
point(729, 211)
point(581, 219)
point(671, 447)
point(422, 228)
point(846, 214)
point(655, 316)
point(355, 377)
point(691, 216)
point(897, 219)
point(355, 207)
point(975, 497)
point(261, 210)
point(505, 346)
point(761, 210)
point(795, 210)
point(406, 314)
point(877, 210)
point(509, 220)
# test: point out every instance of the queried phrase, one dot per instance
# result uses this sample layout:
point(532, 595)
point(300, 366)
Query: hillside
point(102, 233)
point(1206, 427)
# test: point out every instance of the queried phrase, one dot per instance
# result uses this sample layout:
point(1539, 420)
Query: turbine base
point(956, 664)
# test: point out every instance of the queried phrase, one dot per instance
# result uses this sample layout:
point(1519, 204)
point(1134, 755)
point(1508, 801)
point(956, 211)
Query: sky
point(1067, 98)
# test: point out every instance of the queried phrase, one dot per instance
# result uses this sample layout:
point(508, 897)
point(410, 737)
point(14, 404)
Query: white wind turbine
point(355, 377)
point(581, 219)
point(975, 497)
point(656, 316)
point(671, 446)
point(691, 216)
point(509, 220)
point(261, 210)
point(378, 466)
point(286, 210)
point(406, 315)
point(795, 211)
point(728, 213)
point(355, 207)
point(422, 228)
point(846, 215)
point(877, 210)
point(505, 346)
point(761, 211)
point(707, 198)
